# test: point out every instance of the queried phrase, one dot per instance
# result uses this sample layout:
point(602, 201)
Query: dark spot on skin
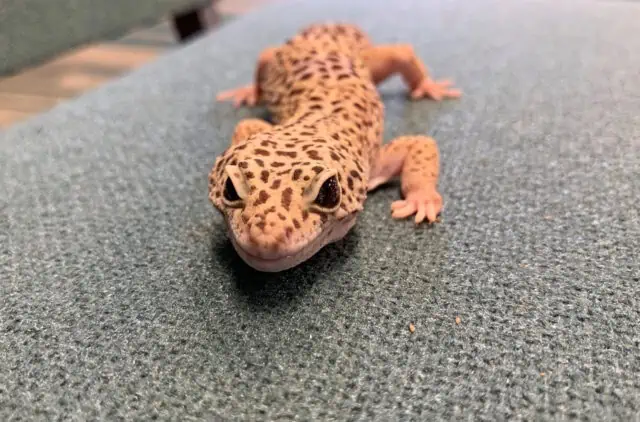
point(336, 67)
point(306, 178)
point(264, 176)
point(297, 91)
point(249, 175)
point(245, 218)
point(259, 162)
point(306, 76)
point(305, 215)
point(277, 164)
point(268, 143)
point(314, 98)
point(315, 107)
point(261, 225)
point(296, 223)
point(282, 173)
point(335, 136)
point(355, 174)
point(304, 116)
point(313, 154)
point(289, 145)
point(306, 134)
point(241, 147)
point(275, 184)
point(361, 191)
point(319, 141)
point(298, 70)
point(343, 76)
point(317, 169)
point(338, 109)
point(286, 198)
point(288, 231)
point(243, 165)
point(262, 198)
point(291, 154)
point(296, 174)
point(262, 152)
point(281, 217)
point(350, 182)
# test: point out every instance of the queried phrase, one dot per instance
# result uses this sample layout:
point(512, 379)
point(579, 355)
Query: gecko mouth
point(279, 263)
point(328, 235)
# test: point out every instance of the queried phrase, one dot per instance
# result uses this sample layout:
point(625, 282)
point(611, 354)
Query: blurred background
point(51, 51)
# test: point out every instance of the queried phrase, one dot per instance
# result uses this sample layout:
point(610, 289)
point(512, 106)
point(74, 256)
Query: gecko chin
point(277, 263)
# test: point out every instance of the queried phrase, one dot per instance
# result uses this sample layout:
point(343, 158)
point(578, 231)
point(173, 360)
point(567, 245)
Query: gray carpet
point(121, 298)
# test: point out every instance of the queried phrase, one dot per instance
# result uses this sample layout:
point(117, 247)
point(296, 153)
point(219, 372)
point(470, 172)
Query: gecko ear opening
point(325, 193)
point(235, 188)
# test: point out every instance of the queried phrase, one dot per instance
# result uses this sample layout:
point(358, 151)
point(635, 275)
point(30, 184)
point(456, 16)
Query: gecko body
point(287, 189)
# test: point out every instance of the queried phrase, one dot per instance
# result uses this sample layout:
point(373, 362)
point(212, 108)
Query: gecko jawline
point(285, 262)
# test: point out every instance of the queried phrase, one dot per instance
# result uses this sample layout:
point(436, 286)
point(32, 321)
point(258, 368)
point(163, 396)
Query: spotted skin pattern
point(289, 188)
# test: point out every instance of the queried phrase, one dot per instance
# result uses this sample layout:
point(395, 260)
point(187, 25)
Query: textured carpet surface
point(120, 297)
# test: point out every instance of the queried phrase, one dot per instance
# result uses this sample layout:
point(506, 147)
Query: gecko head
point(280, 214)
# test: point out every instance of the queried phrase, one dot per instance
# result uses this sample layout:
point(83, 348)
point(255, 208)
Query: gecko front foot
point(422, 203)
point(245, 95)
point(436, 90)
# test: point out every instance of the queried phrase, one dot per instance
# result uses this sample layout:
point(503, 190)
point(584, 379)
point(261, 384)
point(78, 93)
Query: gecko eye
point(230, 193)
point(329, 194)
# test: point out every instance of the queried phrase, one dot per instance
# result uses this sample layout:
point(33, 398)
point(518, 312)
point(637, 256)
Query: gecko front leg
point(386, 60)
point(249, 94)
point(416, 159)
point(248, 127)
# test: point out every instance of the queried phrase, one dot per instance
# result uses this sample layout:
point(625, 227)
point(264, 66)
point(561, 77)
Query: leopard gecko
point(287, 189)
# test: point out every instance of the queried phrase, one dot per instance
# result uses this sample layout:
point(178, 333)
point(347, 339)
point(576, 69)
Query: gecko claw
point(436, 90)
point(424, 204)
point(244, 95)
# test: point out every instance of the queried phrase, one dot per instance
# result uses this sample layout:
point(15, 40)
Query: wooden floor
point(37, 89)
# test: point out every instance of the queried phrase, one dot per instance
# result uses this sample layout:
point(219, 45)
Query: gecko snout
point(268, 236)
